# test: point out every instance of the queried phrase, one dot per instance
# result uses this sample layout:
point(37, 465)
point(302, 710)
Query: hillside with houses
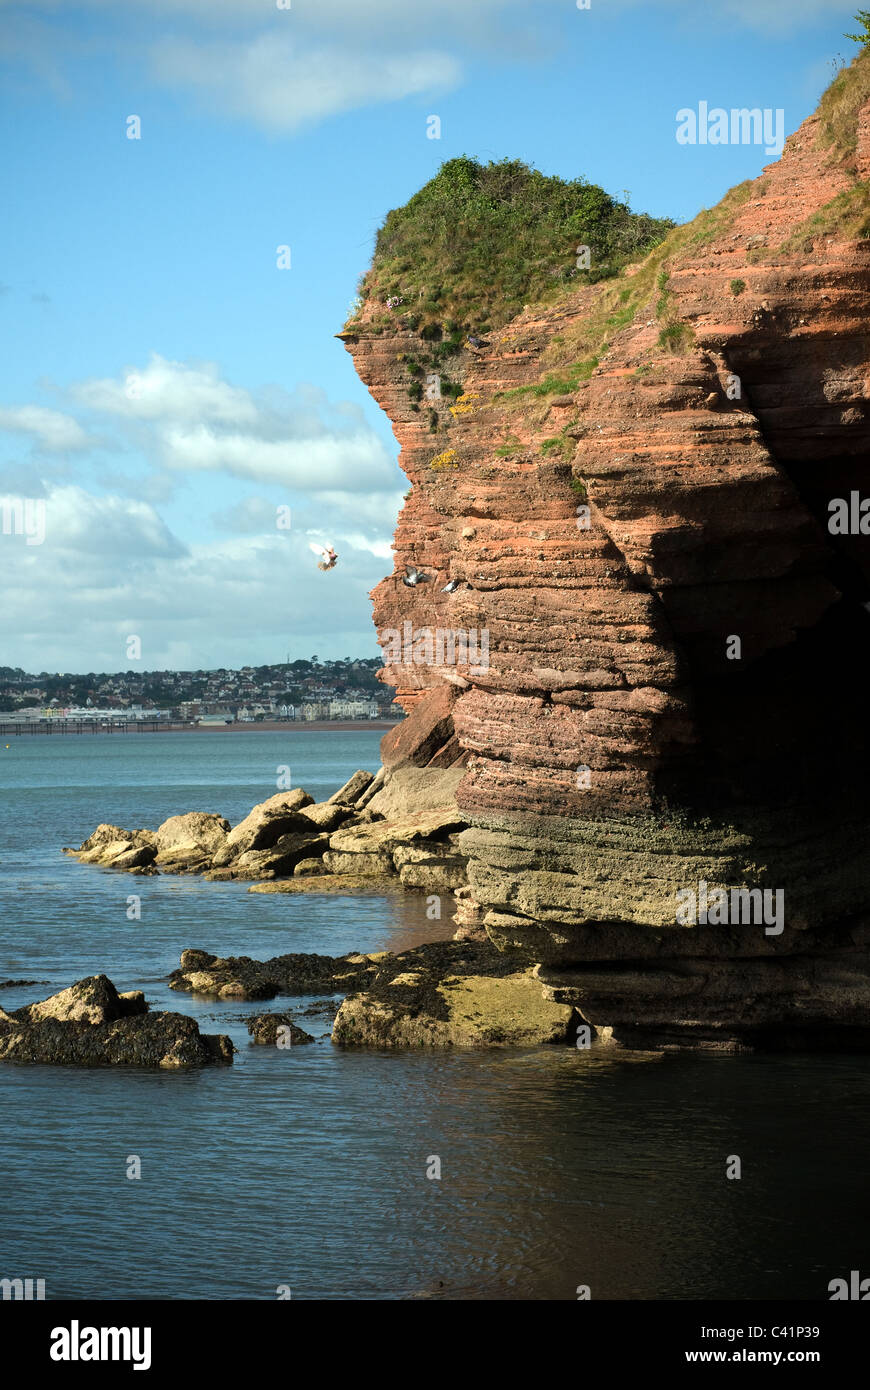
point(303, 690)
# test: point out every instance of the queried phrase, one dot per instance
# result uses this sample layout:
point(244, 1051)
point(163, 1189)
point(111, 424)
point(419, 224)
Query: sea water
point(305, 1168)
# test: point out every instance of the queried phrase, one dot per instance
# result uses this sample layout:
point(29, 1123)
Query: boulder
point(384, 836)
point(353, 789)
point(92, 1000)
point(190, 840)
point(306, 868)
point(263, 826)
point(327, 815)
point(371, 790)
point(91, 1024)
point(136, 857)
point(115, 848)
point(277, 861)
point(263, 1029)
point(409, 791)
point(107, 852)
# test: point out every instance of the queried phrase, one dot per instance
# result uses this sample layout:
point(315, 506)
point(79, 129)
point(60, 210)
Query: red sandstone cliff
point(728, 406)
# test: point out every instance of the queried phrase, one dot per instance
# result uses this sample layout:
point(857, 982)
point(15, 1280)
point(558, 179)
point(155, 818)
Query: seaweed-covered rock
point(241, 977)
point(90, 1024)
point(453, 994)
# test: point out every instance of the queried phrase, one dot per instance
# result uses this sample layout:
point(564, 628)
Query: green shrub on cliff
point(478, 241)
point(862, 18)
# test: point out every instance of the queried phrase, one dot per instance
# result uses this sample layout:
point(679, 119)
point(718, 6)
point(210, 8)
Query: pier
point(87, 726)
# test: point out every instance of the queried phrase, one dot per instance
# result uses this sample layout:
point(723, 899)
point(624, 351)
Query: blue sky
point(165, 387)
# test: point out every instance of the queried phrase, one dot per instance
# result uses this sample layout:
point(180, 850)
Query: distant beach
point(145, 726)
point(280, 725)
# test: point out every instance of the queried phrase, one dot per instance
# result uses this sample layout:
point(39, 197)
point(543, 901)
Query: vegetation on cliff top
point(847, 215)
point(841, 104)
point(479, 241)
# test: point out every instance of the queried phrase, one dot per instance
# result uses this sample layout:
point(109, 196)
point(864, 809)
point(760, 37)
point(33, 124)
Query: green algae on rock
point(453, 994)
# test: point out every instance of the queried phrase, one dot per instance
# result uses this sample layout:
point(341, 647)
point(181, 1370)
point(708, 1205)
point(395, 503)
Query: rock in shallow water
point(277, 1030)
point(453, 994)
point(240, 977)
point(442, 994)
point(90, 1024)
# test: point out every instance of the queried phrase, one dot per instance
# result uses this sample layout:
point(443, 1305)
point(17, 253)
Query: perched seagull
point(327, 555)
point(451, 586)
point(412, 577)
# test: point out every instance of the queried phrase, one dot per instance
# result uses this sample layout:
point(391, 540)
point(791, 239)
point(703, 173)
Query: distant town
point(295, 690)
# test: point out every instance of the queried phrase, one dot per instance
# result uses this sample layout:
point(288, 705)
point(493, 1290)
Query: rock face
point(90, 1025)
point(634, 492)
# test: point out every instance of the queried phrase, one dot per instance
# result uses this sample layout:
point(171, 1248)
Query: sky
point(172, 394)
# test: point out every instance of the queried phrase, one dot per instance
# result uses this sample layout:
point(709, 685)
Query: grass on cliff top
point(840, 106)
point(580, 348)
point(479, 241)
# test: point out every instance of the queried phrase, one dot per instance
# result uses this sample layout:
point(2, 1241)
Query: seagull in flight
point(412, 577)
point(327, 555)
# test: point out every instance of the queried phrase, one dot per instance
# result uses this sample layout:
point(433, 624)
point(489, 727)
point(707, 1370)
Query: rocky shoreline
point(386, 832)
point(377, 826)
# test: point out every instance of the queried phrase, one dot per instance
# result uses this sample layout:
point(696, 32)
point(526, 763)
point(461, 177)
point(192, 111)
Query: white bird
point(327, 555)
point(451, 586)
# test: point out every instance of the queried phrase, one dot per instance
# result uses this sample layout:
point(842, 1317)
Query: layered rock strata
point(633, 493)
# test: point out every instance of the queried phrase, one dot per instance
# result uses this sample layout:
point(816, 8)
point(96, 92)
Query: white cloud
point(281, 84)
point(70, 604)
point(167, 390)
point(49, 429)
point(96, 527)
point(333, 462)
point(284, 70)
point(382, 550)
point(189, 420)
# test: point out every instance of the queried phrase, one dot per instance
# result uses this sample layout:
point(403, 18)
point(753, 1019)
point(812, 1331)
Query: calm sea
point(307, 1167)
